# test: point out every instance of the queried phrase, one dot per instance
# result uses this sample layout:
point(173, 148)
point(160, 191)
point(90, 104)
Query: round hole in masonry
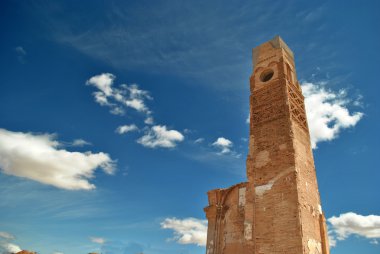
point(266, 75)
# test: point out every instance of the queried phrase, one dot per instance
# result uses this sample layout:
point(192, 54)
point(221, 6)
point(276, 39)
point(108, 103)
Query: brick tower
point(278, 210)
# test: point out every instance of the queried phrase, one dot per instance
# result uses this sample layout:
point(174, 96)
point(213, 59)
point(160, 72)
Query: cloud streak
point(39, 157)
point(217, 57)
point(6, 235)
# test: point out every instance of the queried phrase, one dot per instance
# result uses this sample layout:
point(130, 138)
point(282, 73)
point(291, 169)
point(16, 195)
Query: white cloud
point(11, 247)
point(118, 98)
point(350, 223)
point(131, 96)
point(332, 239)
point(136, 97)
point(99, 240)
point(80, 142)
point(126, 128)
point(223, 144)
point(57, 252)
point(6, 235)
point(159, 136)
point(103, 82)
point(149, 120)
point(137, 104)
point(327, 112)
point(187, 231)
point(101, 98)
point(38, 157)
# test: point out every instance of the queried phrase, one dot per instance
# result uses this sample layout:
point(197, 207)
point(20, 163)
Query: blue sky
point(117, 117)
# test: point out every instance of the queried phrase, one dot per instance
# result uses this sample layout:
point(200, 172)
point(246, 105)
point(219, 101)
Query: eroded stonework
point(278, 209)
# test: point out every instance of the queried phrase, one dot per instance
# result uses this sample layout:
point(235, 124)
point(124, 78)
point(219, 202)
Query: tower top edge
point(276, 43)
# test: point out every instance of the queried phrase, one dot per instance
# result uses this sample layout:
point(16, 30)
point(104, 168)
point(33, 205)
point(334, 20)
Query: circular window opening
point(266, 75)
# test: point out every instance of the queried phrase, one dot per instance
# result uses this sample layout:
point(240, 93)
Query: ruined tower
point(278, 210)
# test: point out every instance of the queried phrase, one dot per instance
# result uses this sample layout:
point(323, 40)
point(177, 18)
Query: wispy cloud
point(126, 128)
point(99, 240)
point(160, 136)
point(11, 247)
point(188, 230)
point(223, 144)
point(120, 98)
point(6, 235)
point(327, 112)
point(125, 40)
point(149, 120)
point(350, 223)
point(203, 151)
point(315, 14)
point(199, 140)
point(332, 239)
point(117, 247)
point(21, 54)
point(38, 157)
point(80, 142)
point(50, 204)
point(7, 246)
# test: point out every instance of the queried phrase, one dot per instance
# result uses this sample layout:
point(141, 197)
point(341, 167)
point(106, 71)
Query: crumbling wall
point(278, 210)
point(226, 214)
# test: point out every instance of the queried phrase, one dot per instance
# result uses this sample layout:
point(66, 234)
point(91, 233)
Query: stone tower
point(278, 210)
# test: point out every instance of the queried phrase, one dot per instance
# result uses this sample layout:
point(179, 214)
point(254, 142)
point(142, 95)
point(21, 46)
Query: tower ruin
point(278, 210)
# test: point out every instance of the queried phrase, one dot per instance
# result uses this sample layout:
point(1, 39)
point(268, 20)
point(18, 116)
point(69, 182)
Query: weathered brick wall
point(278, 210)
point(276, 226)
point(225, 214)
